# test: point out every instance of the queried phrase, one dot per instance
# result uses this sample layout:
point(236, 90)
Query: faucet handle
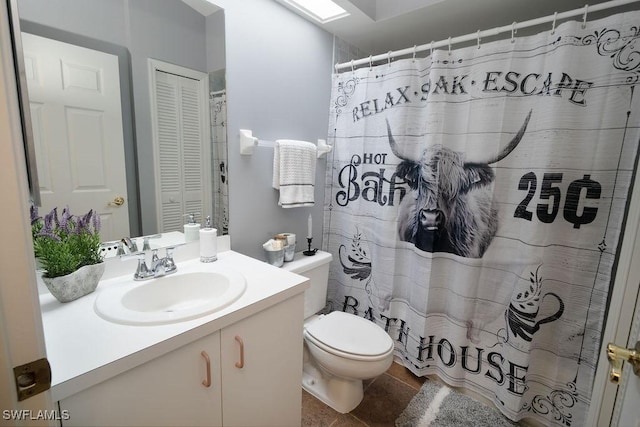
point(169, 264)
point(157, 264)
point(169, 250)
point(138, 255)
point(142, 271)
point(120, 250)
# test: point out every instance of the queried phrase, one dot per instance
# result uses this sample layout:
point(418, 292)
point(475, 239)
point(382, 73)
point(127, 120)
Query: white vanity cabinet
point(166, 391)
point(255, 373)
point(267, 389)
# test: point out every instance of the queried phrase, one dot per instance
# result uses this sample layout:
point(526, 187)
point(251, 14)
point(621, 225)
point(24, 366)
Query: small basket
point(275, 258)
point(289, 252)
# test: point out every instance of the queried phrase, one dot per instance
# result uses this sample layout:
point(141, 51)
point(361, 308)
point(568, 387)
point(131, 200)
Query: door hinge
point(32, 378)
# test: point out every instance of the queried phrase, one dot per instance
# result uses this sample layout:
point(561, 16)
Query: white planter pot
point(77, 284)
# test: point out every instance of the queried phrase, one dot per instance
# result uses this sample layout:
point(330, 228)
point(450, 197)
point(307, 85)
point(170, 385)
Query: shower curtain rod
point(492, 32)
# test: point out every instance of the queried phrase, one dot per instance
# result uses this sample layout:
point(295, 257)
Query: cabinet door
point(167, 391)
point(263, 385)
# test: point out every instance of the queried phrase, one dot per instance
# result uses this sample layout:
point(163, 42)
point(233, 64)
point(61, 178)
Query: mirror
point(136, 93)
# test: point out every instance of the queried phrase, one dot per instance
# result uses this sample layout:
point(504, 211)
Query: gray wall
point(278, 85)
point(103, 20)
point(216, 57)
point(167, 30)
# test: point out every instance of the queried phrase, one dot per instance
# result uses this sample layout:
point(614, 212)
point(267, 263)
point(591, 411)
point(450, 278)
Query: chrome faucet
point(159, 266)
point(130, 244)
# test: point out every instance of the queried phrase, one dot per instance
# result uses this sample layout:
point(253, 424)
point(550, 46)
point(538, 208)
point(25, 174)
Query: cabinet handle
point(207, 382)
point(240, 364)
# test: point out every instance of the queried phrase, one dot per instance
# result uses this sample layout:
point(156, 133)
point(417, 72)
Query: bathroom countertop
point(84, 349)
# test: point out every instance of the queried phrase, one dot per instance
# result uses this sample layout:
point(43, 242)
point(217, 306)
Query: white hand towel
point(294, 172)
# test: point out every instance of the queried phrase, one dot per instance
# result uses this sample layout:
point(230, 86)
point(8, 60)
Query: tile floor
point(384, 399)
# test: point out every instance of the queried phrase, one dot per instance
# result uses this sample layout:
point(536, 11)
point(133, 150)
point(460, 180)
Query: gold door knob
point(118, 201)
point(617, 355)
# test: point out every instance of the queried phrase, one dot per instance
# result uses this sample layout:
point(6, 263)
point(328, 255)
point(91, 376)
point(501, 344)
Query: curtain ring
point(478, 36)
point(449, 40)
point(513, 32)
point(352, 70)
point(370, 62)
point(553, 25)
point(415, 49)
point(431, 48)
point(584, 18)
point(389, 58)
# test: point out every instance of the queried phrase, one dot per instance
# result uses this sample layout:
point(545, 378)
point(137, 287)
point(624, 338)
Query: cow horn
point(514, 142)
point(394, 146)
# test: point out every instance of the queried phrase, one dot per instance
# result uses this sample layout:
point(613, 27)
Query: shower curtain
point(220, 186)
point(475, 202)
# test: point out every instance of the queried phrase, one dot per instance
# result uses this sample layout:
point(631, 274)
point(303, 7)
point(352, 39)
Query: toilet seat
point(349, 336)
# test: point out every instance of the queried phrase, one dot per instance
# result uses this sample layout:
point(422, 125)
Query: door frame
point(622, 305)
point(21, 329)
point(203, 84)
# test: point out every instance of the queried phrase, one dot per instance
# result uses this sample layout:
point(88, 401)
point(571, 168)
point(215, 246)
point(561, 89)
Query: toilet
point(340, 349)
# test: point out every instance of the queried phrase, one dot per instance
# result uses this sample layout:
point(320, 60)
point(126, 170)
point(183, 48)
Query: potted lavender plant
point(68, 248)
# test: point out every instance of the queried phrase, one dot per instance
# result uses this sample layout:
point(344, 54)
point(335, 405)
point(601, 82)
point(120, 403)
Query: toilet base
point(340, 394)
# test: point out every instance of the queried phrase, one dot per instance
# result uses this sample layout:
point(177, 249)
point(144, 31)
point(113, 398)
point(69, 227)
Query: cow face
point(450, 207)
point(438, 179)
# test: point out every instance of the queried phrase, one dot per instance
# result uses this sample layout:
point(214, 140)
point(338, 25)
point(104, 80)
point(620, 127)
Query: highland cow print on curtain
point(474, 206)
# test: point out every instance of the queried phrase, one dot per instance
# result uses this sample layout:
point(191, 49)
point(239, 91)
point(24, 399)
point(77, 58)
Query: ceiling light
point(322, 11)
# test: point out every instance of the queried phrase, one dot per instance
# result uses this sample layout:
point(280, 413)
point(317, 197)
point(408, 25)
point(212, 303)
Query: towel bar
point(248, 142)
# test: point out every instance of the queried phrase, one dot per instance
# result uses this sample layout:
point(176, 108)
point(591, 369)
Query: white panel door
point(74, 95)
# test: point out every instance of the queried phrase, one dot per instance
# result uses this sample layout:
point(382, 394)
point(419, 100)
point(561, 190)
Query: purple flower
point(48, 221)
point(33, 211)
point(48, 228)
point(80, 225)
point(87, 221)
point(49, 234)
point(66, 221)
point(96, 222)
point(54, 212)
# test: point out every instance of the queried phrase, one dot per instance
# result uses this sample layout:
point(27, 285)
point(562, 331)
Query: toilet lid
point(350, 334)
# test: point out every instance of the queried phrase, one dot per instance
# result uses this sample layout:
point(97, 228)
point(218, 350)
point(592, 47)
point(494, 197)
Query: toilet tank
point(316, 269)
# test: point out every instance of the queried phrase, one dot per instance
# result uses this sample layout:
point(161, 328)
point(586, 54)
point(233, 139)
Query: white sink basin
point(169, 299)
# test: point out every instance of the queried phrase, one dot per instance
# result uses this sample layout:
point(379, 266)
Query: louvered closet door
point(181, 149)
point(192, 147)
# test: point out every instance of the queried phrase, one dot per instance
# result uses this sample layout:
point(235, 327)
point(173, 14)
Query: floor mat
point(437, 405)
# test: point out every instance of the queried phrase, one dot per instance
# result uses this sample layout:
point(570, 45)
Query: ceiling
point(204, 7)
point(378, 26)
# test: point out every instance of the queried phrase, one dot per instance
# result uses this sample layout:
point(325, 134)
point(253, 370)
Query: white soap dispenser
point(208, 242)
point(191, 228)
